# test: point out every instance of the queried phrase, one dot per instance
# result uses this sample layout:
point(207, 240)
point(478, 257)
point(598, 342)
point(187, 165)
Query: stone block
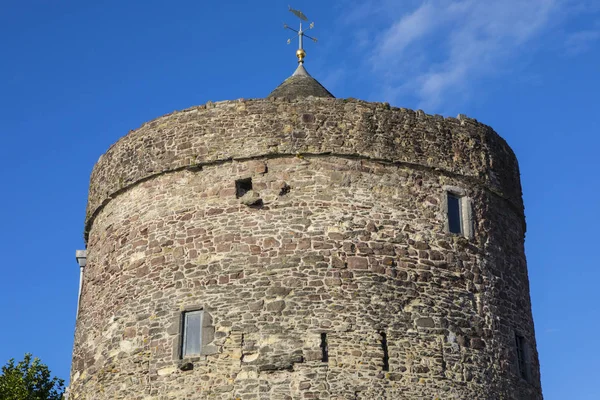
point(275, 306)
point(357, 262)
point(425, 322)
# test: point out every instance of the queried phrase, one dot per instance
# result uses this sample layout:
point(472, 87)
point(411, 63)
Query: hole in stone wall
point(242, 186)
point(257, 204)
point(285, 189)
point(186, 366)
point(386, 356)
point(324, 348)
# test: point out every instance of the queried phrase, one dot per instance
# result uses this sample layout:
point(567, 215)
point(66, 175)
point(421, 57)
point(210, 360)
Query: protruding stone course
point(349, 240)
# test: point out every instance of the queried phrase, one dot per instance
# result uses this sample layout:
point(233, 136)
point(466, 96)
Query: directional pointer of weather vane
point(300, 53)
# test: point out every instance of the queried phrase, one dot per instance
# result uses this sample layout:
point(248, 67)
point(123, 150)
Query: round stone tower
point(305, 247)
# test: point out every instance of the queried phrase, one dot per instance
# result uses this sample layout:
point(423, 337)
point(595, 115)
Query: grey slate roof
point(300, 84)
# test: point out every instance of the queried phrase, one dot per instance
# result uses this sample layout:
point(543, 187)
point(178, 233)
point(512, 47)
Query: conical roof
point(300, 84)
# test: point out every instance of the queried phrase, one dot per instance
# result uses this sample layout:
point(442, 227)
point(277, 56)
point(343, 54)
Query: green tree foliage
point(29, 380)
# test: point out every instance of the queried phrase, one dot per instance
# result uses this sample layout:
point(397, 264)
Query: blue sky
point(77, 75)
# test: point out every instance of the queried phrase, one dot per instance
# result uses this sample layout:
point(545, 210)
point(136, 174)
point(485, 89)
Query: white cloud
point(440, 49)
point(406, 31)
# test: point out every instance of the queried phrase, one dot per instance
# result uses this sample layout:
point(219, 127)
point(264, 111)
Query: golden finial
point(300, 53)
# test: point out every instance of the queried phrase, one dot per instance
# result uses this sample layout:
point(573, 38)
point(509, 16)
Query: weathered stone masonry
point(349, 240)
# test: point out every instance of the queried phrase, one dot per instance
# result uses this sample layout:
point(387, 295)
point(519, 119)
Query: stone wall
point(348, 239)
point(243, 129)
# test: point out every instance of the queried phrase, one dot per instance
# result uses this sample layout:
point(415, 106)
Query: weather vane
point(300, 53)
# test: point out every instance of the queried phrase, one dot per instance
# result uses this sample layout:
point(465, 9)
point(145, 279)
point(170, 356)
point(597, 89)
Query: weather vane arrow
point(300, 53)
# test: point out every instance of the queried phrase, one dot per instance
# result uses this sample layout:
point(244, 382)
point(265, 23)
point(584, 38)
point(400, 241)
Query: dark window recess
point(324, 348)
point(386, 355)
point(521, 355)
point(454, 214)
point(192, 333)
point(242, 186)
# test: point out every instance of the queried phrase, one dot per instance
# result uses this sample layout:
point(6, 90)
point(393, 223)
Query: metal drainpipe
point(81, 257)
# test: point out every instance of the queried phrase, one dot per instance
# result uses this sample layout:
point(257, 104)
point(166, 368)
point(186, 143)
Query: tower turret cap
point(300, 84)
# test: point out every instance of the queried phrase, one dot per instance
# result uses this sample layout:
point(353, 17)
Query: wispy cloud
point(439, 49)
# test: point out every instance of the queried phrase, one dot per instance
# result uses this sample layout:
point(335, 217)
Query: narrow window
point(386, 355)
point(192, 333)
point(242, 186)
point(521, 355)
point(455, 223)
point(324, 348)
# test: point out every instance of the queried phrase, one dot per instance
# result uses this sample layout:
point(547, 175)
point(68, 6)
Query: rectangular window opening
point(455, 223)
point(521, 360)
point(191, 343)
point(386, 355)
point(324, 348)
point(242, 186)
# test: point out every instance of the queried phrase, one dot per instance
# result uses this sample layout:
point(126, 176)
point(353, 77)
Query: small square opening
point(242, 186)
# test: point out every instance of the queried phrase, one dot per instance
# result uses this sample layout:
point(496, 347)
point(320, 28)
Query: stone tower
point(305, 247)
